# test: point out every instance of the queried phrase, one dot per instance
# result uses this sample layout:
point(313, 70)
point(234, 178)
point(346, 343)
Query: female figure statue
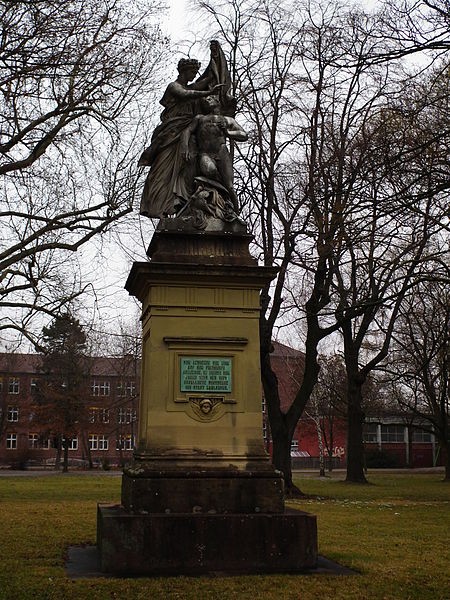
point(170, 182)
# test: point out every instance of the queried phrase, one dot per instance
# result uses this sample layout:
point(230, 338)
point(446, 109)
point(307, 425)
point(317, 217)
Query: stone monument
point(201, 495)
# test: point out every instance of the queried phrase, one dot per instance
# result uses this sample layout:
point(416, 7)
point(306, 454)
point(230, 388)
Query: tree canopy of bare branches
point(76, 77)
point(419, 367)
point(343, 182)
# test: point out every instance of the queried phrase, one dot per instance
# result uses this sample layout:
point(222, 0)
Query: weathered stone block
point(204, 491)
point(193, 544)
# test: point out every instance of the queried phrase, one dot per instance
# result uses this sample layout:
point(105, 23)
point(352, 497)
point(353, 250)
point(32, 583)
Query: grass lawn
point(395, 532)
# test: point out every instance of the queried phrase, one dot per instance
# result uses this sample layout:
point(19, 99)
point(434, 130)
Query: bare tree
point(76, 79)
point(321, 187)
point(419, 365)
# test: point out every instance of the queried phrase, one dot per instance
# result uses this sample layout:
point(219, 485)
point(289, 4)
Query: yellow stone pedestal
point(200, 297)
point(201, 495)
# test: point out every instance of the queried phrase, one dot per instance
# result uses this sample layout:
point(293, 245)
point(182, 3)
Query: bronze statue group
point(191, 172)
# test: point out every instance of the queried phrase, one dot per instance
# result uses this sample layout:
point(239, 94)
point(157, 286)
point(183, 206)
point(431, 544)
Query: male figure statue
point(211, 131)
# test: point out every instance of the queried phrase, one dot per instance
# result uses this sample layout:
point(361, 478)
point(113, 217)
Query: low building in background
point(391, 439)
point(106, 436)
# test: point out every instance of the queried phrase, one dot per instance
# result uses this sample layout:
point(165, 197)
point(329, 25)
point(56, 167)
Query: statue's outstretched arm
point(235, 131)
point(182, 93)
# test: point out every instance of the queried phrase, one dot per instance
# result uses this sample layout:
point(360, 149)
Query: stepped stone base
point(204, 491)
point(194, 544)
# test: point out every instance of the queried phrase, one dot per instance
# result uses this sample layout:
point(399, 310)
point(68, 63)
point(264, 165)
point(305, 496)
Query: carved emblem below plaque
point(206, 409)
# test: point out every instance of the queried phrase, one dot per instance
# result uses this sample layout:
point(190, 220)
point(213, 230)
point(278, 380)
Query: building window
point(100, 388)
point(98, 415)
point(130, 388)
point(73, 443)
point(11, 441)
point(265, 430)
point(294, 445)
point(126, 389)
point(98, 442)
point(421, 436)
point(263, 405)
point(392, 433)
point(33, 440)
point(126, 415)
point(45, 444)
point(13, 414)
point(13, 386)
point(33, 386)
point(124, 442)
point(93, 441)
point(370, 433)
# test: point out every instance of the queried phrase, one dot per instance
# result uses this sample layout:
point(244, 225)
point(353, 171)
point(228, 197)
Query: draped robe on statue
point(170, 182)
point(170, 176)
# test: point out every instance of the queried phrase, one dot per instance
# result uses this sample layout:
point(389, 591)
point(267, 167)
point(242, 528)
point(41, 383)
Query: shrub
point(380, 459)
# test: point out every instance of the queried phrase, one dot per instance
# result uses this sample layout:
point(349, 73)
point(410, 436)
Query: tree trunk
point(66, 455)
point(281, 457)
point(87, 450)
point(320, 443)
point(330, 449)
point(355, 445)
point(410, 464)
point(281, 436)
point(58, 453)
point(446, 448)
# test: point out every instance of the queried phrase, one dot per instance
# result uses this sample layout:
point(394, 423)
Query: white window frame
point(11, 441)
point(105, 388)
point(13, 414)
point(100, 388)
point(130, 388)
point(420, 433)
point(13, 385)
point(73, 443)
point(33, 440)
point(125, 442)
point(370, 437)
point(93, 411)
point(386, 434)
point(93, 441)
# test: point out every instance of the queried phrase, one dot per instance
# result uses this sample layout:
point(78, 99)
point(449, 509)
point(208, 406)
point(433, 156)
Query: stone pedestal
point(201, 477)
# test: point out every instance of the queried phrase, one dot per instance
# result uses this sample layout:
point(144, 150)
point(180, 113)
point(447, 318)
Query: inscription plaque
point(205, 374)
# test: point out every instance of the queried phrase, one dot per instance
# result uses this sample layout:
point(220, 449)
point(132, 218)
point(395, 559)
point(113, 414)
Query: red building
point(106, 432)
point(391, 440)
point(106, 428)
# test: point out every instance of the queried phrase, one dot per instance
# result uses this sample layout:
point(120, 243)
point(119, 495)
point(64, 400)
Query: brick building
point(107, 429)
point(390, 439)
point(109, 426)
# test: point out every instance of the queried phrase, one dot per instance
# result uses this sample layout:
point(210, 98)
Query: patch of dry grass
point(394, 532)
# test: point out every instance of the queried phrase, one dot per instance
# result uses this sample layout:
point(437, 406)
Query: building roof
point(17, 363)
point(288, 364)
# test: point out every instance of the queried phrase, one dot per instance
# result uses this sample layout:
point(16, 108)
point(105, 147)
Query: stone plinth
point(201, 494)
point(193, 544)
point(190, 491)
